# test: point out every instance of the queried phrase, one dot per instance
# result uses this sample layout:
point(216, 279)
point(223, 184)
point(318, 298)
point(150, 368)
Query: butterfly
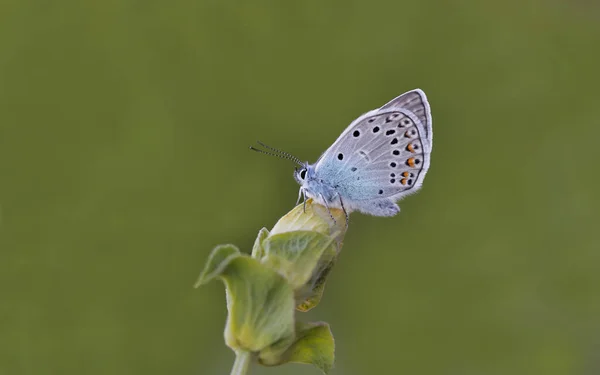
point(380, 158)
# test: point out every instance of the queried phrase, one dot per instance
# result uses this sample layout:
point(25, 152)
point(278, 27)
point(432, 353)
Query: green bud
point(286, 271)
point(303, 246)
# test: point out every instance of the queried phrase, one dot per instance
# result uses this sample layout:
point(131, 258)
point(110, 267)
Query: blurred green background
point(124, 134)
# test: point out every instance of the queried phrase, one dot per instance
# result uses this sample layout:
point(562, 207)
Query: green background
point(124, 134)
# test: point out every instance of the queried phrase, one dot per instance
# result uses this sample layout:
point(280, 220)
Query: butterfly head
point(304, 173)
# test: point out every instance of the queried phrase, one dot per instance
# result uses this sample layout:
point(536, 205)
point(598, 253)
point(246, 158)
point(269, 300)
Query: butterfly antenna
point(276, 152)
point(290, 156)
point(264, 152)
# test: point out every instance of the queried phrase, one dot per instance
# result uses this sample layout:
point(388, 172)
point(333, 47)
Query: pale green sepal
point(218, 259)
point(276, 353)
point(296, 255)
point(315, 218)
point(314, 345)
point(260, 304)
point(258, 249)
point(310, 294)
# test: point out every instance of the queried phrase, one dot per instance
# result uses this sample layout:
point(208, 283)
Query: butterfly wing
point(382, 155)
point(416, 102)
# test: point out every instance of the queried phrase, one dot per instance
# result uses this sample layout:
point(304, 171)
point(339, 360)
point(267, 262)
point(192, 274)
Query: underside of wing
point(416, 102)
point(382, 155)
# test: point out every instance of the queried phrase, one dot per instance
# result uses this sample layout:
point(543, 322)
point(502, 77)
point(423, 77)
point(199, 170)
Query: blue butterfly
point(380, 158)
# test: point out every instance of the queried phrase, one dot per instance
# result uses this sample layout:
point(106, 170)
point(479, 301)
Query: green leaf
point(310, 295)
point(296, 255)
point(218, 259)
point(258, 249)
point(277, 353)
point(259, 300)
point(314, 345)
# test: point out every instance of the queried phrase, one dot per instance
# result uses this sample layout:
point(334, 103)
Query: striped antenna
point(276, 152)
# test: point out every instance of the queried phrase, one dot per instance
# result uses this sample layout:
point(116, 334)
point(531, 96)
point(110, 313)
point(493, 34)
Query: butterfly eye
point(303, 174)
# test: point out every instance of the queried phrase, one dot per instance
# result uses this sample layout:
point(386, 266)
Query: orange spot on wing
point(405, 174)
point(411, 162)
point(410, 148)
point(403, 181)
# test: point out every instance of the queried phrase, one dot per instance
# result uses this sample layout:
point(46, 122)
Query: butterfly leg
point(328, 210)
point(304, 200)
point(300, 193)
point(344, 209)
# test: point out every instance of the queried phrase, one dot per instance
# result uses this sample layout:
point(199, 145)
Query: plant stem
point(242, 363)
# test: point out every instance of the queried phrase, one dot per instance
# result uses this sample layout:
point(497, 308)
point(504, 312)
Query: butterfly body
point(381, 157)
